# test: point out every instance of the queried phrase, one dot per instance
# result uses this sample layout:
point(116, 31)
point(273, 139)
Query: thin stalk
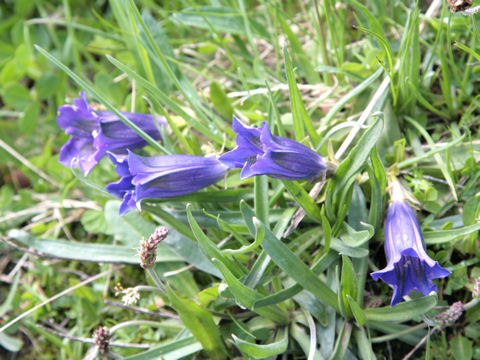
point(156, 278)
point(261, 198)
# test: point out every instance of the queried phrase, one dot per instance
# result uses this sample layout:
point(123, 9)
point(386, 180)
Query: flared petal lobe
point(163, 176)
point(93, 133)
point(123, 188)
point(258, 152)
point(249, 146)
point(408, 265)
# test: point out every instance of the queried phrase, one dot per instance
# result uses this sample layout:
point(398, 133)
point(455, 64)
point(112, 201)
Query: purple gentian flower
point(124, 188)
point(93, 133)
point(408, 265)
point(258, 152)
point(162, 176)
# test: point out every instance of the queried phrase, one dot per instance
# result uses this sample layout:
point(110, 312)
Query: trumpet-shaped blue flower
point(408, 265)
point(162, 176)
point(93, 133)
point(258, 152)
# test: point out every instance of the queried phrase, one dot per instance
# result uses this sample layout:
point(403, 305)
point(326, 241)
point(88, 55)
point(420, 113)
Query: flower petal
point(162, 176)
point(78, 151)
point(408, 265)
point(258, 152)
point(78, 119)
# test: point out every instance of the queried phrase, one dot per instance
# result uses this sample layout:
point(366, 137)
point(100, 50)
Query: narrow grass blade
point(91, 252)
point(350, 95)
point(301, 119)
point(443, 167)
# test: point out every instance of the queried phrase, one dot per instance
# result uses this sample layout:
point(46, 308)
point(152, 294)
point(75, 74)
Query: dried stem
point(90, 340)
point(53, 298)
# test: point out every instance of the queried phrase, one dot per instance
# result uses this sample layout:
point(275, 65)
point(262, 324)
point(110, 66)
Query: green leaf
point(379, 170)
point(303, 199)
point(320, 266)
point(10, 343)
point(28, 122)
point(168, 218)
point(396, 331)
point(364, 344)
point(260, 351)
point(461, 348)
point(356, 238)
point(295, 268)
point(16, 96)
point(348, 286)
point(340, 104)
point(246, 296)
point(375, 215)
point(92, 252)
point(200, 323)
point(303, 59)
point(221, 101)
point(220, 18)
point(221, 196)
point(357, 311)
point(377, 31)
point(130, 228)
point(7, 304)
point(301, 119)
point(304, 340)
point(340, 184)
point(189, 251)
point(160, 38)
point(444, 236)
point(209, 247)
point(94, 222)
point(165, 99)
point(173, 350)
point(205, 297)
point(178, 219)
point(441, 164)
point(404, 311)
point(359, 154)
point(343, 340)
point(182, 83)
point(260, 234)
point(47, 85)
point(468, 50)
point(260, 186)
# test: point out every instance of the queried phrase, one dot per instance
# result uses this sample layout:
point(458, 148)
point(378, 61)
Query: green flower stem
point(135, 323)
point(156, 279)
point(261, 198)
point(396, 335)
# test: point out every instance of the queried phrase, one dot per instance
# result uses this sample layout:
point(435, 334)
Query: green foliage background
point(378, 87)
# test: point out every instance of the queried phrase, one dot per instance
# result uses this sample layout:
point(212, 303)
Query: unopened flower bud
point(449, 316)
point(148, 247)
point(102, 336)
